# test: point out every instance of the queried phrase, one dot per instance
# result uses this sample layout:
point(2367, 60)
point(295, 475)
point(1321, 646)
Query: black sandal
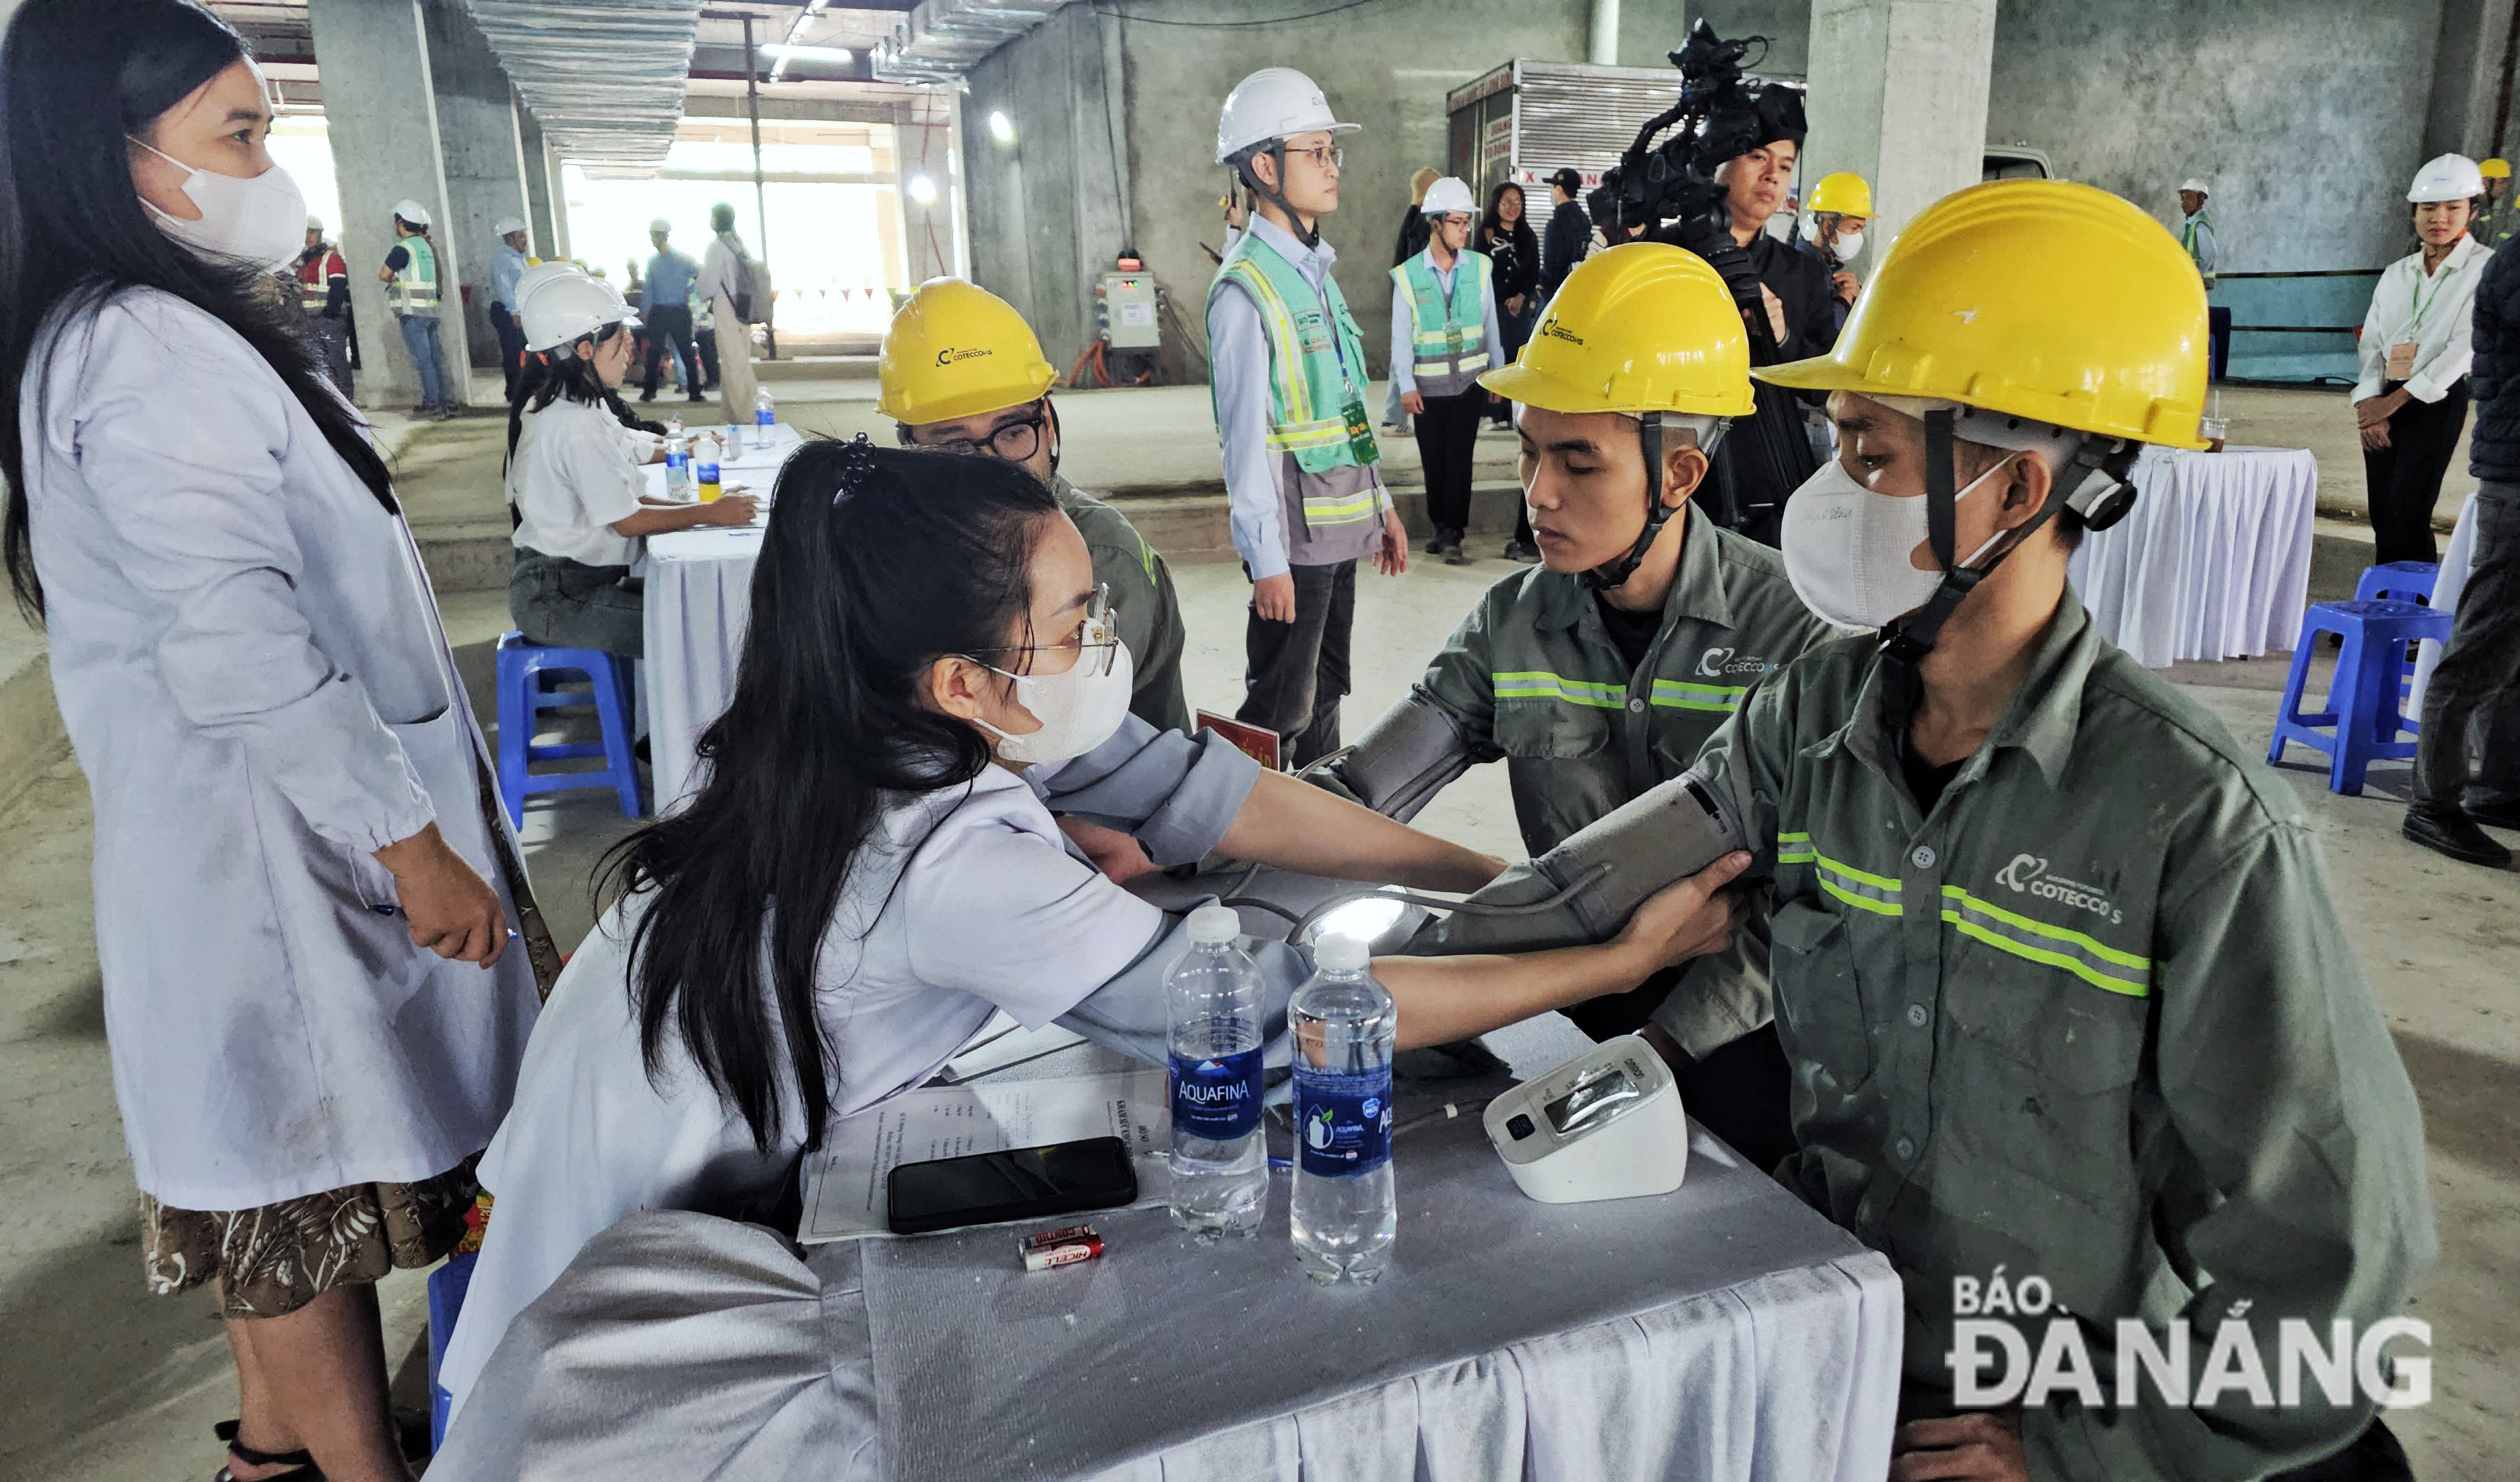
point(303, 1462)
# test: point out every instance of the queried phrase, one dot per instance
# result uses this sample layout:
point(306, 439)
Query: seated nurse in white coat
point(873, 868)
point(573, 475)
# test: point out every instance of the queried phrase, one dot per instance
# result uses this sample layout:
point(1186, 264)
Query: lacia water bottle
point(1342, 1024)
point(678, 463)
point(765, 415)
point(1220, 1162)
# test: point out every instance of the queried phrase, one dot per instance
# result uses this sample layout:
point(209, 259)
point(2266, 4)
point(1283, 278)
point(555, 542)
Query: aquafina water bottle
point(678, 463)
point(765, 415)
point(1342, 1022)
point(1220, 1165)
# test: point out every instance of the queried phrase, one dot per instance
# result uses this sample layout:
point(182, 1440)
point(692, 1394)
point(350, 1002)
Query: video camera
point(1718, 117)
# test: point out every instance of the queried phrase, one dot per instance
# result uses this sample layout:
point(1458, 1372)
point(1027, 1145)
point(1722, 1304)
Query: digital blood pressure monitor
point(1605, 1125)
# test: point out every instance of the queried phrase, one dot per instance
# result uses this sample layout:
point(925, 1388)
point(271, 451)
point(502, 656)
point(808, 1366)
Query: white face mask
point(1079, 709)
point(1846, 548)
point(259, 221)
point(1848, 244)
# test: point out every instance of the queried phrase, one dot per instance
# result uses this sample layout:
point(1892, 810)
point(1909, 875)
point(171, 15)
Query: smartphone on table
point(1018, 1184)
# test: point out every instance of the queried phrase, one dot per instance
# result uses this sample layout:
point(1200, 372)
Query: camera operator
point(1769, 454)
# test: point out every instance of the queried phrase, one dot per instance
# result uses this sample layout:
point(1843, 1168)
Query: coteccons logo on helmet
point(1557, 329)
point(2027, 874)
point(949, 355)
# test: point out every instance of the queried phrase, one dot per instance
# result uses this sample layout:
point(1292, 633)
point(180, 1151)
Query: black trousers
point(511, 346)
point(1297, 671)
point(2405, 478)
point(675, 321)
point(707, 364)
point(1447, 434)
point(2478, 677)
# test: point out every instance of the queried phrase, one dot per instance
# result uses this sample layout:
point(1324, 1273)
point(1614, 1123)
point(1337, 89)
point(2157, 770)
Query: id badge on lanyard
point(1360, 434)
point(2401, 361)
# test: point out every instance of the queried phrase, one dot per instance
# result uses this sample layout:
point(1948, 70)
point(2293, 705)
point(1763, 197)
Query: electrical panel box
point(1125, 306)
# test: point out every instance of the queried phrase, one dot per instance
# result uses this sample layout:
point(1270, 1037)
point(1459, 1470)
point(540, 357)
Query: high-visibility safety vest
point(1315, 409)
point(2188, 231)
point(414, 289)
point(1449, 332)
point(315, 272)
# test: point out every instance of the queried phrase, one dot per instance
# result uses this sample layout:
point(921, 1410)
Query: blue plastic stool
point(2398, 581)
point(524, 670)
point(447, 1285)
point(2366, 698)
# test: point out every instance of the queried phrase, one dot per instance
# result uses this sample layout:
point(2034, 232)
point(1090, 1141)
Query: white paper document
point(845, 1182)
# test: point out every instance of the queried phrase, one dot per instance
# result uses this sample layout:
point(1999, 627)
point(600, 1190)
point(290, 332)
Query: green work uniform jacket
point(1143, 604)
point(2093, 1019)
point(1533, 676)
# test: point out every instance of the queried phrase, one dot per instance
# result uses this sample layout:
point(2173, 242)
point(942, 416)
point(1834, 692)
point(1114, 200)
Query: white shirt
point(249, 661)
point(966, 901)
point(720, 268)
point(2446, 297)
point(576, 471)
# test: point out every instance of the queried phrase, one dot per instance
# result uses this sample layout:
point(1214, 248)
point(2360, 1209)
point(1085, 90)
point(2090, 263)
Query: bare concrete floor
point(100, 1381)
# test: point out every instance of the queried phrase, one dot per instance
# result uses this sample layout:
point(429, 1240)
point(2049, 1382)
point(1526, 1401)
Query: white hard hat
point(507, 225)
point(314, 223)
point(2446, 177)
point(661, 224)
point(559, 302)
point(2191, 182)
point(1273, 103)
point(1448, 195)
point(412, 211)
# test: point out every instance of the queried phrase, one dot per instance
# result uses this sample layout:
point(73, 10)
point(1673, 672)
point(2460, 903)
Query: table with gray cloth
point(2212, 562)
point(1723, 1331)
point(699, 587)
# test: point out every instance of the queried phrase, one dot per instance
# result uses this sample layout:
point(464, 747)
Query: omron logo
point(948, 357)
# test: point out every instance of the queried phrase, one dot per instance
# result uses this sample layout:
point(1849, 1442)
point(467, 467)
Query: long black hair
point(547, 375)
point(876, 562)
point(76, 77)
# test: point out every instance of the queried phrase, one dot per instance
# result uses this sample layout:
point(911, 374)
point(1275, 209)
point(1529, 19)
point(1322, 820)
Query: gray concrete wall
point(2310, 133)
point(477, 145)
point(545, 216)
point(1786, 24)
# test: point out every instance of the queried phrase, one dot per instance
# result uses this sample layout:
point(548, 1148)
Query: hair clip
point(857, 461)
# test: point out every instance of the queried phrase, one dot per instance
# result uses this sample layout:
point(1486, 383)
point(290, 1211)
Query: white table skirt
point(2457, 563)
point(2212, 562)
point(699, 596)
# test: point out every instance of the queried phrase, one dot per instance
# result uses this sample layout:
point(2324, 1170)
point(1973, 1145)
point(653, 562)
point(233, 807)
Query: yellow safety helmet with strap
point(1642, 327)
point(955, 349)
point(1843, 194)
point(2495, 170)
point(2036, 299)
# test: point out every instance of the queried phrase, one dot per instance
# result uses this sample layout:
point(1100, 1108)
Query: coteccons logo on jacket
point(2028, 875)
point(1714, 663)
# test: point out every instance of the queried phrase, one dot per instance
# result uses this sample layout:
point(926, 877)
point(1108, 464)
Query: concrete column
point(1918, 140)
point(1605, 49)
point(477, 140)
point(378, 105)
point(545, 205)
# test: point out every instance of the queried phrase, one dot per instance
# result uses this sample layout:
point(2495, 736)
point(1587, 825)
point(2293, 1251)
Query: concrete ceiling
point(603, 77)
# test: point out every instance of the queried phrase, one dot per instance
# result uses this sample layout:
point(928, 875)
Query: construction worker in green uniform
point(2498, 215)
point(2055, 959)
point(1602, 671)
point(960, 369)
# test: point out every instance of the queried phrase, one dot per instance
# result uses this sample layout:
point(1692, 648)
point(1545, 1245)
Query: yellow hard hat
point(955, 349)
point(1844, 193)
point(2037, 299)
point(1642, 327)
point(2495, 170)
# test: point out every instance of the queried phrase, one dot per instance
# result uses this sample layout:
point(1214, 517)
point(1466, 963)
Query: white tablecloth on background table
point(2457, 563)
point(2212, 562)
point(698, 595)
point(1723, 1330)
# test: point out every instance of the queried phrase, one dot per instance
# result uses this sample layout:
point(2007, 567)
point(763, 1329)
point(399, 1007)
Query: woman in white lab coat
point(304, 888)
point(573, 470)
point(928, 671)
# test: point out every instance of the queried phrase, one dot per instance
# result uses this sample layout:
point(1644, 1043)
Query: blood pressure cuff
point(1413, 752)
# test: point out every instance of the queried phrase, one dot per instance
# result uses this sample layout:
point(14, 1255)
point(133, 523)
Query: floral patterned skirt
point(273, 1260)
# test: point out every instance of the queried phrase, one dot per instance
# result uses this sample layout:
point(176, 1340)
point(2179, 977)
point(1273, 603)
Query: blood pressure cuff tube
point(1663, 836)
point(1401, 762)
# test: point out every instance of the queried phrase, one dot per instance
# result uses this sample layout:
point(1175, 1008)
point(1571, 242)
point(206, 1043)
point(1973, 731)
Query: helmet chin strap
point(1309, 236)
point(1050, 410)
point(1613, 575)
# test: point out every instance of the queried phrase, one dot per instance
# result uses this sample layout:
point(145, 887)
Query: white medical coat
point(249, 661)
point(964, 901)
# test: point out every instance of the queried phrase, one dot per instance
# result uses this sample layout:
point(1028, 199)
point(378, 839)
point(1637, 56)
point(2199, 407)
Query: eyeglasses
point(1015, 442)
point(1096, 642)
point(1328, 157)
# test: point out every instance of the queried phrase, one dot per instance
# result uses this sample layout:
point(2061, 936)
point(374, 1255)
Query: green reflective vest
point(412, 293)
point(1316, 408)
point(1448, 332)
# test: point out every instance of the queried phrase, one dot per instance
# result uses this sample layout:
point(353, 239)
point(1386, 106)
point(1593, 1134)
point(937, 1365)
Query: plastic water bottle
point(678, 463)
point(708, 479)
point(1219, 1155)
point(1342, 1022)
point(765, 415)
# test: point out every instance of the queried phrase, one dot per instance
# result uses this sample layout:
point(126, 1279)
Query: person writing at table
point(574, 480)
point(928, 670)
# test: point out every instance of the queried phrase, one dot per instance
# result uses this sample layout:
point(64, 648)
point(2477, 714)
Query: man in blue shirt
point(507, 265)
point(666, 305)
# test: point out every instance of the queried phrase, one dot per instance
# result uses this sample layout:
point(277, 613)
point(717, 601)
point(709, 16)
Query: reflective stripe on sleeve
point(2100, 965)
point(1795, 849)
